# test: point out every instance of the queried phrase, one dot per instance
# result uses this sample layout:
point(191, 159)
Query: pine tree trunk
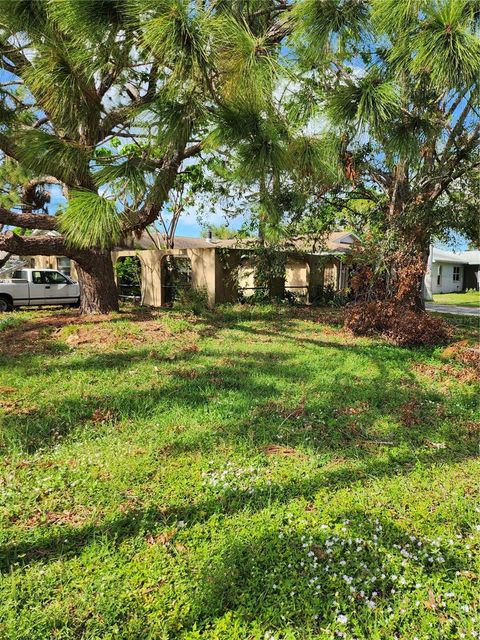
point(411, 285)
point(98, 289)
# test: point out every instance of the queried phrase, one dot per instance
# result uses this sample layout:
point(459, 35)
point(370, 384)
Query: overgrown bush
point(395, 323)
point(329, 296)
point(191, 300)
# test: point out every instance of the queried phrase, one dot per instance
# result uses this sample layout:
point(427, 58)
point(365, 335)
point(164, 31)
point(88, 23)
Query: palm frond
point(370, 101)
point(132, 173)
point(44, 153)
point(247, 63)
point(447, 47)
point(90, 220)
point(63, 88)
point(321, 24)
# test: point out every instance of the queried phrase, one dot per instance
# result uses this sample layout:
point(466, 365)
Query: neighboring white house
point(450, 272)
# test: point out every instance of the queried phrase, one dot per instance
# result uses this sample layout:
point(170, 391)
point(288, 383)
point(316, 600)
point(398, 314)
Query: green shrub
point(192, 300)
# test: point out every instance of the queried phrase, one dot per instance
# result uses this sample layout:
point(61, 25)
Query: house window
point(456, 274)
point(64, 265)
point(439, 274)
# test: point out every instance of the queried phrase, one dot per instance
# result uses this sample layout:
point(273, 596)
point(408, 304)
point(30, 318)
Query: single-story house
point(449, 272)
point(210, 264)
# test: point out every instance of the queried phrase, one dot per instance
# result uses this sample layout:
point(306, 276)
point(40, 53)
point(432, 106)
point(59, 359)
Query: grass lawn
point(467, 299)
point(254, 474)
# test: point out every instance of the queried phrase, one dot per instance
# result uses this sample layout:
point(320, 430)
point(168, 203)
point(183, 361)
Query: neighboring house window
point(456, 274)
point(64, 265)
point(439, 275)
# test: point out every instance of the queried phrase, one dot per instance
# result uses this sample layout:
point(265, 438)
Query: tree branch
point(34, 245)
point(27, 220)
point(457, 129)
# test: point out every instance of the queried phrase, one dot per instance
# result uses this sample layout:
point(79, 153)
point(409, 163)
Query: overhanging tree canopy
point(112, 99)
point(404, 97)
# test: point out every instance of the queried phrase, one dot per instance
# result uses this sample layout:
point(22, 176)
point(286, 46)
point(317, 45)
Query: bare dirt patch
point(411, 413)
point(69, 329)
point(465, 352)
point(447, 372)
point(278, 450)
point(57, 518)
point(15, 407)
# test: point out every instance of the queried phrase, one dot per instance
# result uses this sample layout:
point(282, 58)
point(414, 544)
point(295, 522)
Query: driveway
point(452, 308)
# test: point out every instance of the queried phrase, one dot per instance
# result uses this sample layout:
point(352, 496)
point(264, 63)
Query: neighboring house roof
point(471, 257)
point(465, 257)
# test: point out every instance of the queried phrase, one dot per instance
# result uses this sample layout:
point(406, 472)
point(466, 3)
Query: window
point(64, 265)
point(439, 274)
point(55, 277)
point(37, 277)
point(456, 274)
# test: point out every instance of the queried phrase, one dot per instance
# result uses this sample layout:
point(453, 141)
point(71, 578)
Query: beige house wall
point(153, 271)
point(215, 271)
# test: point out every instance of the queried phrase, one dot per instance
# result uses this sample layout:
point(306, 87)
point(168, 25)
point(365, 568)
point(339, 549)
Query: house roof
point(464, 257)
point(154, 240)
point(471, 257)
point(336, 242)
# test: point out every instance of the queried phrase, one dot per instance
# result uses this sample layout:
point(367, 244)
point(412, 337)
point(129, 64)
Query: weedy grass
point(8, 321)
point(253, 473)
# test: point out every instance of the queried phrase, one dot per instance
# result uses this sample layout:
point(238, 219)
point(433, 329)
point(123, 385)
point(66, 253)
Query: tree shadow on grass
point(255, 415)
point(52, 542)
point(334, 413)
point(282, 579)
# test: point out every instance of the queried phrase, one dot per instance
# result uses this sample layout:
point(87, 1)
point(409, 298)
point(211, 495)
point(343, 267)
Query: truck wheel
point(5, 304)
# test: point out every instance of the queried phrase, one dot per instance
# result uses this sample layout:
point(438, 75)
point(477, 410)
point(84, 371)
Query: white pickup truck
point(38, 287)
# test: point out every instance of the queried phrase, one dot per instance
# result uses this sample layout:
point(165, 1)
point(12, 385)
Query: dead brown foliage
point(463, 375)
point(278, 450)
point(395, 323)
point(101, 416)
point(411, 413)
